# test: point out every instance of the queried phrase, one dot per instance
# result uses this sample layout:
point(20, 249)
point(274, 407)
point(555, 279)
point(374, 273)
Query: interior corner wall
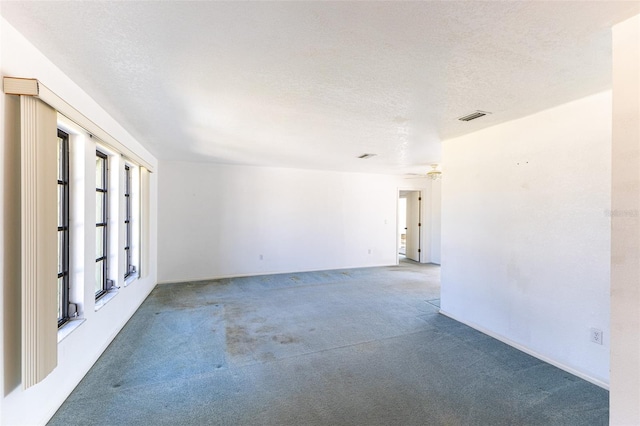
point(625, 226)
point(435, 222)
point(526, 233)
point(78, 351)
point(224, 220)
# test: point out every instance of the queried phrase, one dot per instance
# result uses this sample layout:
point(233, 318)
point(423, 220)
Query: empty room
point(320, 213)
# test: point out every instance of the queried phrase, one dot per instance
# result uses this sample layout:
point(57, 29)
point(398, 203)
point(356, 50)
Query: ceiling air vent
point(365, 156)
point(473, 115)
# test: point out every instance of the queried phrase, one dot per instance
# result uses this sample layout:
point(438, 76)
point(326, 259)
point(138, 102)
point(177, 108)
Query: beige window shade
point(39, 239)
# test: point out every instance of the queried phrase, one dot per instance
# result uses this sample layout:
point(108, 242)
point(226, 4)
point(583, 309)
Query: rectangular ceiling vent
point(473, 115)
point(365, 156)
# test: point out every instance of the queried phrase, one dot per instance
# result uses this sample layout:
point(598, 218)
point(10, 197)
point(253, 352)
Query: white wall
point(77, 352)
point(435, 222)
point(625, 230)
point(525, 233)
point(216, 220)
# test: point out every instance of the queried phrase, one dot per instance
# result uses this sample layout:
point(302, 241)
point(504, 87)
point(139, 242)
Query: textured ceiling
point(315, 84)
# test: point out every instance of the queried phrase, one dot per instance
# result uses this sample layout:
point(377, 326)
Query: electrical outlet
point(596, 336)
point(261, 257)
point(369, 251)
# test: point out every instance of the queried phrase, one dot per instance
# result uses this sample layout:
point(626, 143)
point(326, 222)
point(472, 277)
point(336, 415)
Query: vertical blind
point(38, 132)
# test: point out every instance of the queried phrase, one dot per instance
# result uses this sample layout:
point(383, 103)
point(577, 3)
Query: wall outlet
point(369, 251)
point(596, 336)
point(261, 257)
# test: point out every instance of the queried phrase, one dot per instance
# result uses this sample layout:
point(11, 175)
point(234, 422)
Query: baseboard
point(257, 274)
point(529, 351)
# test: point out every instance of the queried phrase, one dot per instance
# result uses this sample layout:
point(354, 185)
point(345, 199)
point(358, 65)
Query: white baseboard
point(529, 351)
point(257, 274)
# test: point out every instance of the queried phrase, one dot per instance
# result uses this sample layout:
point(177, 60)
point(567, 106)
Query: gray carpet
point(351, 347)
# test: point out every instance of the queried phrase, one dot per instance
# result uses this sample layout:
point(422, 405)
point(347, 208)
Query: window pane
point(99, 172)
point(99, 241)
point(60, 154)
point(60, 251)
point(100, 207)
point(99, 276)
point(60, 198)
point(60, 298)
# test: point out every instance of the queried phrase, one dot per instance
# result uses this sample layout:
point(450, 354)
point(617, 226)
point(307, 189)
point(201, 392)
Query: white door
point(413, 226)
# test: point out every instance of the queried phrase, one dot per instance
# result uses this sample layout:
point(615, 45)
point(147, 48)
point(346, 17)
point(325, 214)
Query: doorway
point(409, 213)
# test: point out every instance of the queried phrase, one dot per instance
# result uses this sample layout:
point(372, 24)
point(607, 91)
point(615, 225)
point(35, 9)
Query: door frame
point(420, 218)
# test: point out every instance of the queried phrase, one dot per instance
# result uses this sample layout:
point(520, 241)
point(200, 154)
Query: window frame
point(129, 268)
point(64, 227)
point(104, 191)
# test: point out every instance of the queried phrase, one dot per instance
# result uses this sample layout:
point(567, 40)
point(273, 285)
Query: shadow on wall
point(11, 310)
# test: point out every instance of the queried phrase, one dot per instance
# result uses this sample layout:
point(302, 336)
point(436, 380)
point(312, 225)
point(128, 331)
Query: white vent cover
point(473, 115)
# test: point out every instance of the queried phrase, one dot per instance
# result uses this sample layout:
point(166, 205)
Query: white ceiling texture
point(316, 84)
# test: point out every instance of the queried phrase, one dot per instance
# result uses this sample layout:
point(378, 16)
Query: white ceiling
point(315, 84)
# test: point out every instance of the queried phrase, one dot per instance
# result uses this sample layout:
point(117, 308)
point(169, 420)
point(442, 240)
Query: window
point(129, 268)
point(63, 228)
point(101, 285)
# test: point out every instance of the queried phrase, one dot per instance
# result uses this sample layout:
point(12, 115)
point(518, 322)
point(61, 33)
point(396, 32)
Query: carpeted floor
point(350, 347)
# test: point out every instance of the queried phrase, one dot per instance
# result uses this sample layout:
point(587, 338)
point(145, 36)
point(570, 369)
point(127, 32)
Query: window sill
point(68, 327)
point(131, 278)
point(105, 299)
